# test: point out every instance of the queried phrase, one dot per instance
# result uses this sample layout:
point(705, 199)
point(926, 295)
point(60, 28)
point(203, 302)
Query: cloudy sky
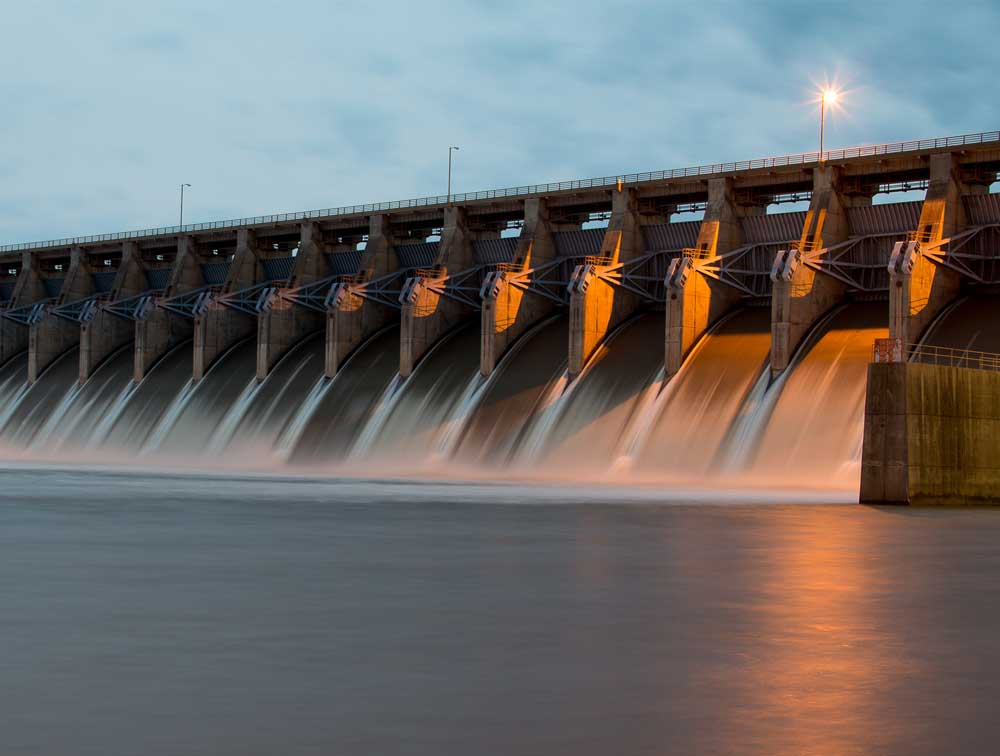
point(271, 107)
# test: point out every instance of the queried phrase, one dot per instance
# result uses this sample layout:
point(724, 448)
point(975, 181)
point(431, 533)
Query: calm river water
point(145, 613)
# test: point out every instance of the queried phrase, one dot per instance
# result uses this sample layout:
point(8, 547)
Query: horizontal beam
point(714, 170)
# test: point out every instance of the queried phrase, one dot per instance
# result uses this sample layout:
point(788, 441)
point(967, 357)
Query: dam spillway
point(584, 332)
point(529, 422)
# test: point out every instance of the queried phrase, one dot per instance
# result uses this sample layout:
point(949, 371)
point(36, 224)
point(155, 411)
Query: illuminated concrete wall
point(932, 435)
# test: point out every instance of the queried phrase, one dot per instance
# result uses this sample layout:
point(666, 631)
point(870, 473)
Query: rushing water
point(589, 418)
point(693, 414)
point(174, 615)
point(720, 420)
point(813, 434)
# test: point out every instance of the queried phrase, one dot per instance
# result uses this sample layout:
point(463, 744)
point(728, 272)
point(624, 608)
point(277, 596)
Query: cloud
point(313, 104)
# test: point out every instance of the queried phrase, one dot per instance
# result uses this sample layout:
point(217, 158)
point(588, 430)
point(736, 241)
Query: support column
point(285, 324)
point(52, 336)
point(28, 289)
point(509, 306)
point(106, 332)
point(696, 301)
point(220, 327)
point(160, 331)
point(919, 286)
point(596, 305)
point(801, 293)
point(427, 314)
point(353, 318)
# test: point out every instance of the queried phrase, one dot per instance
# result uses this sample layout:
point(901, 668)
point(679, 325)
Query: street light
point(450, 149)
point(182, 202)
point(826, 96)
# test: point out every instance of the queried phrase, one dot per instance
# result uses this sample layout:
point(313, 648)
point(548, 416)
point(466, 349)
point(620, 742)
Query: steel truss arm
point(28, 314)
point(139, 307)
point(80, 310)
point(463, 286)
point(190, 304)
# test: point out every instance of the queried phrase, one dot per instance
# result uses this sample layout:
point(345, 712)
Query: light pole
point(182, 202)
point(450, 149)
point(827, 96)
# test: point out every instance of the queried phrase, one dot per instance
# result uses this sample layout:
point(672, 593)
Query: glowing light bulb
point(830, 96)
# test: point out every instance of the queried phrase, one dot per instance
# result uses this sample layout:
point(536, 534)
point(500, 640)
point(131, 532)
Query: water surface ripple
point(186, 614)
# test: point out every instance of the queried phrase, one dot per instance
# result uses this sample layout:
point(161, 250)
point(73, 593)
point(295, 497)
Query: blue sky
point(271, 107)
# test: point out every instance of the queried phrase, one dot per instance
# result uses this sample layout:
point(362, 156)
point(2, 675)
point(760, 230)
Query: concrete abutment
point(932, 435)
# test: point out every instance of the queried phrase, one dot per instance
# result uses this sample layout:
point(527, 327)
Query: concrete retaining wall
point(932, 436)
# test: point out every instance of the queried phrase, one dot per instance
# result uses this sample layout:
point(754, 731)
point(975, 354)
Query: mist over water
point(720, 422)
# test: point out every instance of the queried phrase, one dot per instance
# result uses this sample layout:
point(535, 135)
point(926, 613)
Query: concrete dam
point(582, 330)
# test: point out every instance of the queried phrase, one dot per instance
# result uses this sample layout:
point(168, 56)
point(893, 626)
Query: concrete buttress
point(284, 323)
point(428, 314)
point(28, 289)
point(695, 300)
point(801, 293)
point(596, 304)
point(920, 287)
point(51, 336)
point(106, 332)
point(509, 306)
point(353, 318)
point(219, 327)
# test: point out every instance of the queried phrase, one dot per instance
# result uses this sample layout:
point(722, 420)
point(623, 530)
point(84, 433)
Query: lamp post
point(827, 96)
point(450, 150)
point(182, 202)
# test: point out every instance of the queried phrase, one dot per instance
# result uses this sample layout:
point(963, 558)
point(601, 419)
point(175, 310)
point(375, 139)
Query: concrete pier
point(219, 327)
point(801, 291)
point(695, 299)
point(28, 289)
point(596, 305)
point(283, 324)
point(510, 308)
point(428, 313)
point(353, 318)
point(106, 332)
point(161, 330)
point(932, 435)
point(920, 287)
point(52, 335)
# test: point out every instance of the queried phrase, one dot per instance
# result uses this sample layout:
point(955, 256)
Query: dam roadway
point(570, 274)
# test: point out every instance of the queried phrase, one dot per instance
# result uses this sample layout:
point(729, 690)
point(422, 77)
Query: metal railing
point(803, 158)
point(894, 350)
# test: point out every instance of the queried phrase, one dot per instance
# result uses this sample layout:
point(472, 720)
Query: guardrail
point(803, 158)
point(894, 350)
